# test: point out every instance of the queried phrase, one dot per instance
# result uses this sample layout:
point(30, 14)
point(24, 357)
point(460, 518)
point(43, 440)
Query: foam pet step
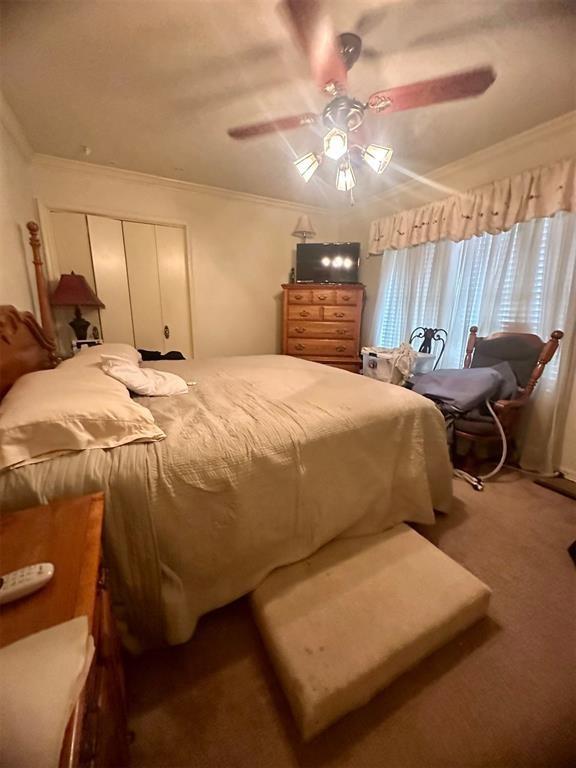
point(342, 624)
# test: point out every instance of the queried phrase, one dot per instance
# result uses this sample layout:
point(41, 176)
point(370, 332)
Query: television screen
point(327, 262)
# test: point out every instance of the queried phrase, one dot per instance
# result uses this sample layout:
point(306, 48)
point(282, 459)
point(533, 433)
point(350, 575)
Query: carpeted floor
point(502, 694)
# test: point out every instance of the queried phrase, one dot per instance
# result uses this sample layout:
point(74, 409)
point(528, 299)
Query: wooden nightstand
point(67, 532)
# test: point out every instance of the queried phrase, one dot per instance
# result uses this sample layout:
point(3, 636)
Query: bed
point(265, 459)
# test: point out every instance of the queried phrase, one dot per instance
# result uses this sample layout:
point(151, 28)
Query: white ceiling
point(153, 85)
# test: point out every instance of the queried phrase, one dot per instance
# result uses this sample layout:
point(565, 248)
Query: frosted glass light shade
point(345, 178)
point(335, 144)
point(377, 157)
point(307, 165)
point(304, 227)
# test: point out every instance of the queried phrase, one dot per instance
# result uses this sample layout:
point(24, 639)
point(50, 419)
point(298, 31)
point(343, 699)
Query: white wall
point(16, 208)
point(240, 245)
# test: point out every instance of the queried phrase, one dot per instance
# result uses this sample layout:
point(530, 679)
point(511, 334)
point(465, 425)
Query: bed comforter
point(266, 459)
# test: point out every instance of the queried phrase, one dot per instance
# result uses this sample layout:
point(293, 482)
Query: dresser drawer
point(304, 313)
point(327, 296)
point(326, 347)
point(300, 297)
point(311, 330)
point(348, 298)
point(340, 313)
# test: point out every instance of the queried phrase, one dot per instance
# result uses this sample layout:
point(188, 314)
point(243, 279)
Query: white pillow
point(143, 381)
point(48, 413)
point(92, 355)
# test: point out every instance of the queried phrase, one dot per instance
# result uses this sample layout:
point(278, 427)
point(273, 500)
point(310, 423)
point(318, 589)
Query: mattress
point(266, 459)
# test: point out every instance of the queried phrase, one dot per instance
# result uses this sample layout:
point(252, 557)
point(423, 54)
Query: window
point(516, 280)
point(520, 280)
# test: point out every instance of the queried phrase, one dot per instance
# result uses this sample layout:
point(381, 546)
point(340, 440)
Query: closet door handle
point(166, 332)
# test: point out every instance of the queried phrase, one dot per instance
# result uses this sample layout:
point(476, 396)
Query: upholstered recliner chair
point(527, 355)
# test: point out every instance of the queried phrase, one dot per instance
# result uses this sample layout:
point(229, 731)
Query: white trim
point(50, 251)
point(121, 174)
point(563, 127)
point(115, 213)
point(569, 474)
point(12, 125)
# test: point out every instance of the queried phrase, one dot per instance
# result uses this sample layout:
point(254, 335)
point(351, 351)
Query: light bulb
point(326, 261)
point(347, 263)
point(377, 157)
point(337, 262)
point(345, 178)
point(307, 165)
point(335, 144)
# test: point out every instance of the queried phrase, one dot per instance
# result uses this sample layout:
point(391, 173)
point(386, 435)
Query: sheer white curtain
point(522, 279)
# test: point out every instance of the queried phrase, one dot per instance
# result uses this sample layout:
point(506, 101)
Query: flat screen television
point(327, 262)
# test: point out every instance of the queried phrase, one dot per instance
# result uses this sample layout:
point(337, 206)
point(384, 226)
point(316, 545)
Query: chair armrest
point(505, 405)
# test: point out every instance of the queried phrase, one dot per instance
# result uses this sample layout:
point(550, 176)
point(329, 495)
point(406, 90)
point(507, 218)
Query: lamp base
point(79, 325)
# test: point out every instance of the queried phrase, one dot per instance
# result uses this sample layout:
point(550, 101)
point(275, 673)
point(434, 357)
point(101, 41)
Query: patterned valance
point(493, 208)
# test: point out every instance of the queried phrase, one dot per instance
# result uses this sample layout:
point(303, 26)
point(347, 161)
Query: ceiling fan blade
point(461, 85)
point(272, 126)
point(316, 35)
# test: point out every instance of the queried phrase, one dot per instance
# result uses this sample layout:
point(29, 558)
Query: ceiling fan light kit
point(330, 58)
point(335, 144)
point(377, 157)
point(345, 179)
point(307, 165)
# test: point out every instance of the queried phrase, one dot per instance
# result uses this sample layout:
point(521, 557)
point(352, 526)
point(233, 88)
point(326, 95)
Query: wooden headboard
point(24, 347)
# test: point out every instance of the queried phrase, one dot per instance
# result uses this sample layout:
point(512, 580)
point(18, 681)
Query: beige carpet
point(502, 694)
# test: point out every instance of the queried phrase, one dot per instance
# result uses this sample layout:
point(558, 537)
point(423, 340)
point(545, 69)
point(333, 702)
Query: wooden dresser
point(67, 532)
point(322, 322)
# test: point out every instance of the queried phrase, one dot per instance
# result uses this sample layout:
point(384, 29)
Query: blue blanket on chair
point(461, 390)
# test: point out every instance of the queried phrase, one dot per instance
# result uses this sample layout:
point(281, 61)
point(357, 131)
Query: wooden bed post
point(547, 353)
point(470, 346)
point(45, 313)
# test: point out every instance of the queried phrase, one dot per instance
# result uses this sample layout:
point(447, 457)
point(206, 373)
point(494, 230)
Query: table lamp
point(303, 228)
point(73, 291)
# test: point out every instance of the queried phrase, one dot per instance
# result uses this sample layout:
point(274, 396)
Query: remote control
point(24, 581)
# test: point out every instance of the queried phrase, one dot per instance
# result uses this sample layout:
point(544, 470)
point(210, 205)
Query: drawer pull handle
point(341, 331)
point(300, 330)
point(340, 348)
point(339, 314)
point(304, 313)
point(323, 297)
point(299, 346)
point(298, 296)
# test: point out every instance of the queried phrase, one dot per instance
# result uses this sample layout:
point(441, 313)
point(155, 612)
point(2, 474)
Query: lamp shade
point(304, 227)
point(73, 290)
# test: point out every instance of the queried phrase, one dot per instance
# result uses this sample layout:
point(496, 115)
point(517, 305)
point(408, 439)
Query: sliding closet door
point(174, 292)
point(107, 244)
point(142, 265)
point(72, 246)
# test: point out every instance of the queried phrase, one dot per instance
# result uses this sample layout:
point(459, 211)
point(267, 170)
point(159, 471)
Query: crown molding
point(560, 130)
point(14, 129)
point(137, 177)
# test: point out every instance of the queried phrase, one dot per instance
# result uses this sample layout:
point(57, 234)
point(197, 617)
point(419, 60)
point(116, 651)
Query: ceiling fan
point(330, 58)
